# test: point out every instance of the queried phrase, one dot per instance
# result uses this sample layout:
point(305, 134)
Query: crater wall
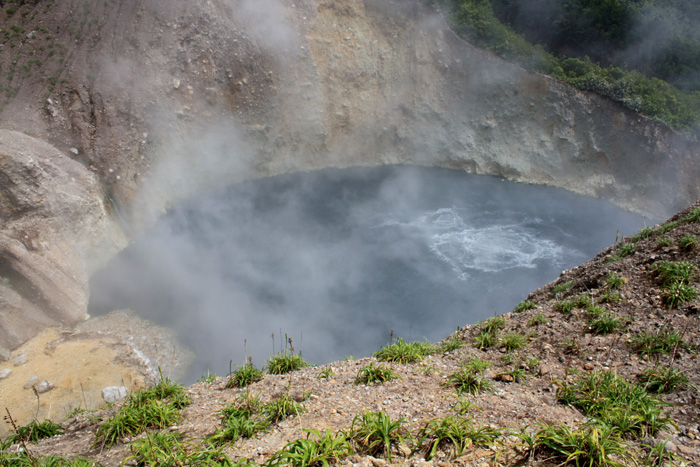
point(156, 102)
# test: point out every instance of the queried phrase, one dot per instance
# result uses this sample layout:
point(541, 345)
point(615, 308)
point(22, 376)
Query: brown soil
point(420, 394)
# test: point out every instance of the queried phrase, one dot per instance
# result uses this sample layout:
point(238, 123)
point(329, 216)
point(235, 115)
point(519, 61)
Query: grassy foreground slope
point(598, 368)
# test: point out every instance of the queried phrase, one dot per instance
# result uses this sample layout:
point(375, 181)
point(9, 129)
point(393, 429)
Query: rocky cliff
point(146, 103)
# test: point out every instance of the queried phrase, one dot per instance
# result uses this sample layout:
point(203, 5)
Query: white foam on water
point(467, 249)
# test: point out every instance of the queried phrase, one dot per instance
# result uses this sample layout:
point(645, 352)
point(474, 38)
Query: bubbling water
point(338, 259)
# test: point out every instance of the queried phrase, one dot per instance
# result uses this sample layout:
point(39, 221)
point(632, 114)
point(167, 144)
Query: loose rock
point(114, 393)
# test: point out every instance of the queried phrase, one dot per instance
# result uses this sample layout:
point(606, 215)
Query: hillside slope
point(613, 319)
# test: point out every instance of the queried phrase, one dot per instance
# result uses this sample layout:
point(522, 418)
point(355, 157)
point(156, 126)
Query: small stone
point(31, 382)
point(377, 462)
point(589, 366)
point(45, 386)
point(5, 373)
point(505, 378)
point(544, 370)
point(114, 393)
point(4, 354)
point(74, 151)
point(21, 359)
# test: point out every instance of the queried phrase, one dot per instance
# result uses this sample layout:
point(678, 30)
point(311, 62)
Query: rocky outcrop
point(53, 233)
point(157, 101)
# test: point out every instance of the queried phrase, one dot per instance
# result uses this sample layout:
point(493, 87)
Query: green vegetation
point(455, 433)
point(476, 365)
point(469, 379)
point(448, 345)
point(688, 242)
point(488, 332)
point(614, 281)
point(675, 278)
point(561, 288)
point(567, 306)
point(524, 306)
point(315, 450)
point(375, 433)
point(662, 379)
point(655, 344)
point(325, 373)
point(156, 407)
point(615, 402)
point(514, 341)
point(372, 374)
point(166, 449)
point(622, 251)
point(34, 431)
point(537, 320)
point(591, 445)
point(248, 415)
point(208, 378)
point(284, 362)
point(583, 27)
point(244, 375)
point(606, 323)
point(402, 352)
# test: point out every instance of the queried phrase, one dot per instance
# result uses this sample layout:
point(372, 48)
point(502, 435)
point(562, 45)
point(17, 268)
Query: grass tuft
point(375, 433)
point(453, 433)
point(662, 379)
point(589, 445)
point(403, 352)
point(284, 362)
point(315, 450)
point(243, 376)
point(468, 380)
point(524, 306)
point(615, 402)
point(659, 343)
point(379, 374)
point(155, 407)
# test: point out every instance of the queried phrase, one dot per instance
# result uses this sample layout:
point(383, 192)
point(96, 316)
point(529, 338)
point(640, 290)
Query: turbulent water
point(337, 259)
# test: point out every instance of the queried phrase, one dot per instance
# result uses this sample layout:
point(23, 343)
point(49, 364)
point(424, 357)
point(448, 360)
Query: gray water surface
point(336, 259)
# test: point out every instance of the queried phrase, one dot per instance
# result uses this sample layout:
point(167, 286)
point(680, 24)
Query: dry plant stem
point(20, 437)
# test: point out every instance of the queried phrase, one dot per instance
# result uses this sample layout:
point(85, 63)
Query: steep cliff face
point(158, 101)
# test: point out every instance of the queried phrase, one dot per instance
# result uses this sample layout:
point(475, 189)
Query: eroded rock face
point(53, 227)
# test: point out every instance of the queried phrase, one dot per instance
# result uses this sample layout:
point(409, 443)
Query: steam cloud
point(336, 259)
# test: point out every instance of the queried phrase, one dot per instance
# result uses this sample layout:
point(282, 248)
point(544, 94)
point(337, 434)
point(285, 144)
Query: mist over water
point(335, 259)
